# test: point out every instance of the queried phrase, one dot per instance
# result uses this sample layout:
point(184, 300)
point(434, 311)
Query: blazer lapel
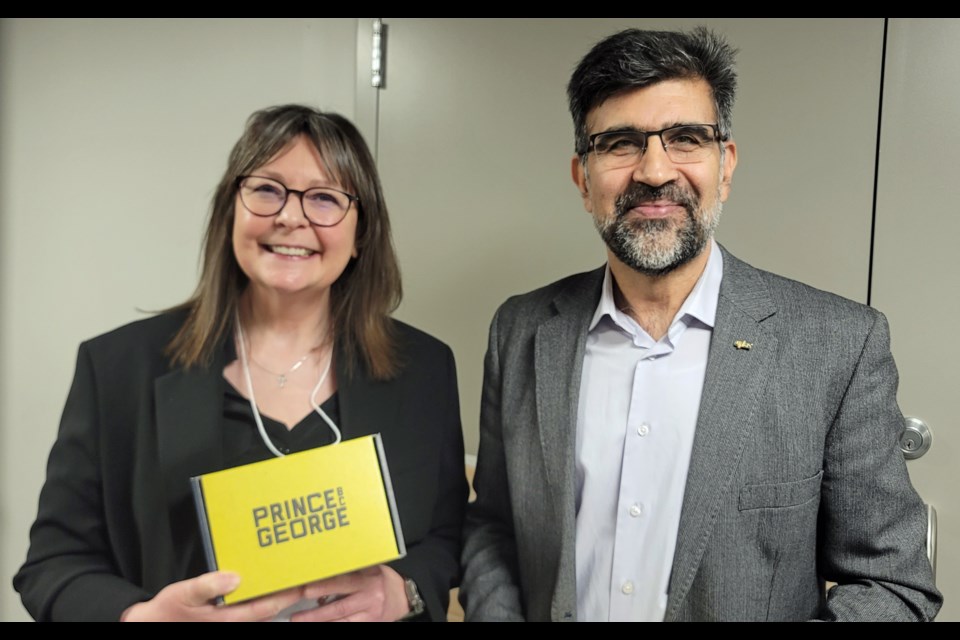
point(188, 426)
point(189, 411)
point(741, 356)
point(559, 347)
point(364, 403)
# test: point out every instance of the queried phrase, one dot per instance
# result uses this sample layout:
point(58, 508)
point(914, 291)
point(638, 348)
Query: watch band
point(417, 605)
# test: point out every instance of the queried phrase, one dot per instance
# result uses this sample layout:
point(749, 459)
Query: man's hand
point(193, 601)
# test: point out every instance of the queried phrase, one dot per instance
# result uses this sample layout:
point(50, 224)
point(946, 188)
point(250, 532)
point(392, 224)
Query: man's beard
point(658, 246)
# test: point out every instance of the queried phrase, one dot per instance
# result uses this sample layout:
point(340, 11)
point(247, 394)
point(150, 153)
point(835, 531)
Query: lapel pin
point(743, 344)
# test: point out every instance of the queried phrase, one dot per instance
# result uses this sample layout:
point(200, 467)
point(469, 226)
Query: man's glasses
point(683, 144)
point(323, 207)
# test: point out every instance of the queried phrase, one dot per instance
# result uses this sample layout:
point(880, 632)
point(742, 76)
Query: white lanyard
point(253, 402)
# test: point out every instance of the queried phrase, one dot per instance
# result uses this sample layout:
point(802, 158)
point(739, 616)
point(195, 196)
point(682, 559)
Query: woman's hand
point(193, 601)
point(375, 594)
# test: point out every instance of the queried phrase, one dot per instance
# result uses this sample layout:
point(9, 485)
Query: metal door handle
point(916, 438)
point(932, 539)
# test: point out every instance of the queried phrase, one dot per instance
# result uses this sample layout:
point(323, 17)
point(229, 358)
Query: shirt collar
point(700, 305)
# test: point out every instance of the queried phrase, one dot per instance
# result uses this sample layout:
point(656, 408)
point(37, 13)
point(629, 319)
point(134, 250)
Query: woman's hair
point(365, 293)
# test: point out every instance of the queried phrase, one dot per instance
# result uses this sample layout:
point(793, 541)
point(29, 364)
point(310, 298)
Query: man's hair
point(633, 59)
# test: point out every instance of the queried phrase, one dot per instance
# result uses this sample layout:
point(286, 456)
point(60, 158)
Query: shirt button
point(627, 588)
point(636, 510)
point(643, 429)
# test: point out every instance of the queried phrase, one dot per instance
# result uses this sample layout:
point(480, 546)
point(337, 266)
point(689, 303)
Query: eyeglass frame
point(718, 136)
point(287, 190)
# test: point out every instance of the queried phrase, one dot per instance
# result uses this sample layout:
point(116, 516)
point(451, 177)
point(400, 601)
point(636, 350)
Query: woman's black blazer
point(116, 521)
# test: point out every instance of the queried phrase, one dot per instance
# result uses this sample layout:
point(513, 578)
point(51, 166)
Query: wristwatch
point(417, 605)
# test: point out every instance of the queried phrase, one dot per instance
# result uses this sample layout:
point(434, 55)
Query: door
point(915, 258)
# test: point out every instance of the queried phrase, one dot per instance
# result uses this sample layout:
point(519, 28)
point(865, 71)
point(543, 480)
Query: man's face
point(656, 215)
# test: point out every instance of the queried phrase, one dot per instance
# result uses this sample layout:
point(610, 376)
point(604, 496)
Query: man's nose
point(655, 168)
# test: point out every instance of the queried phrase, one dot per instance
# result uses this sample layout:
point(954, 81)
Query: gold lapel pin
point(743, 344)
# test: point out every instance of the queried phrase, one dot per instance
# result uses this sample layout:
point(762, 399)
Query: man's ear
point(578, 172)
point(729, 165)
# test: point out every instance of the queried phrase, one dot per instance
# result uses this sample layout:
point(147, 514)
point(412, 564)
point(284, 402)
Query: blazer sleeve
point(433, 562)
point(70, 572)
point(491, 581)
point(872, 522)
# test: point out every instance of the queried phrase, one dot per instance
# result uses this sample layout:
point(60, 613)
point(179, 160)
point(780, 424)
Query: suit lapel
point(364, 403)
point(559, 347)
point(741, 357)
point(188, 426)
point(189, 411)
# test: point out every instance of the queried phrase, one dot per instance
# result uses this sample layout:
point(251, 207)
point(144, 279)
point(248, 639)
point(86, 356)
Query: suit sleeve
point(70, 572)
point(433, 563)
point(491, 581)
point(872, 522)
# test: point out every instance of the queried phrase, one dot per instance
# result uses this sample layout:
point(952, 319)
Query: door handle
point(916, 438)
point(932, 539)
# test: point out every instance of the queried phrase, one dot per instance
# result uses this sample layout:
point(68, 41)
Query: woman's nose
point(293, 214)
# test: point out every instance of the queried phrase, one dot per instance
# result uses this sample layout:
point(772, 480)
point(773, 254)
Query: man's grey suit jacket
point(795, 476)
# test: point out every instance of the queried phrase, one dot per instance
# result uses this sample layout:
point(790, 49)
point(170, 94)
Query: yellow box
point(288, 521)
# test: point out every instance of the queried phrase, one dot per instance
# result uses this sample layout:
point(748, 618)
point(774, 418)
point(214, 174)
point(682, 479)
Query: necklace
point(253, 401)
point(282, 377)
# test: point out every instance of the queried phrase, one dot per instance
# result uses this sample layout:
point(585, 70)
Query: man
point(677, 435)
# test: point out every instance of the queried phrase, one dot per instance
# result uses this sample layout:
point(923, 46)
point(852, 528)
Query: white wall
point(96, 221)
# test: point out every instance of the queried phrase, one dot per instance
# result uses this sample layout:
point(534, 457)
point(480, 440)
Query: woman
point(286, 341)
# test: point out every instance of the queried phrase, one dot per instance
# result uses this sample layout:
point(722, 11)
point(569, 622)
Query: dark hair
point(362, 297)
point(633, 59)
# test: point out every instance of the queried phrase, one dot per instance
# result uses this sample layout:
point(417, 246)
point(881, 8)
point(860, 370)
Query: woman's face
point(285, 254)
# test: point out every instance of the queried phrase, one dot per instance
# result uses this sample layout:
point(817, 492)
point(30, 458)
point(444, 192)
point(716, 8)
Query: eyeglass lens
point(266, 197)
point(683, 144)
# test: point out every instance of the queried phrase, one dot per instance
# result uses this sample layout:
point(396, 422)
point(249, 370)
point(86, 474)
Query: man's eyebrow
point(621, 127)
point(616, 128)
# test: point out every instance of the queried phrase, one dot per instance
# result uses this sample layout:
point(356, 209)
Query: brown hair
point(365, 293)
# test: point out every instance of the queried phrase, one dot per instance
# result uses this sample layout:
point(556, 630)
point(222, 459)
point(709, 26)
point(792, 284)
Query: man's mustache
point(638, 193)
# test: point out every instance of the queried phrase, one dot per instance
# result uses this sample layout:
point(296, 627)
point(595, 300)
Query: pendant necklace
point(282, 377)
point(241, 342)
